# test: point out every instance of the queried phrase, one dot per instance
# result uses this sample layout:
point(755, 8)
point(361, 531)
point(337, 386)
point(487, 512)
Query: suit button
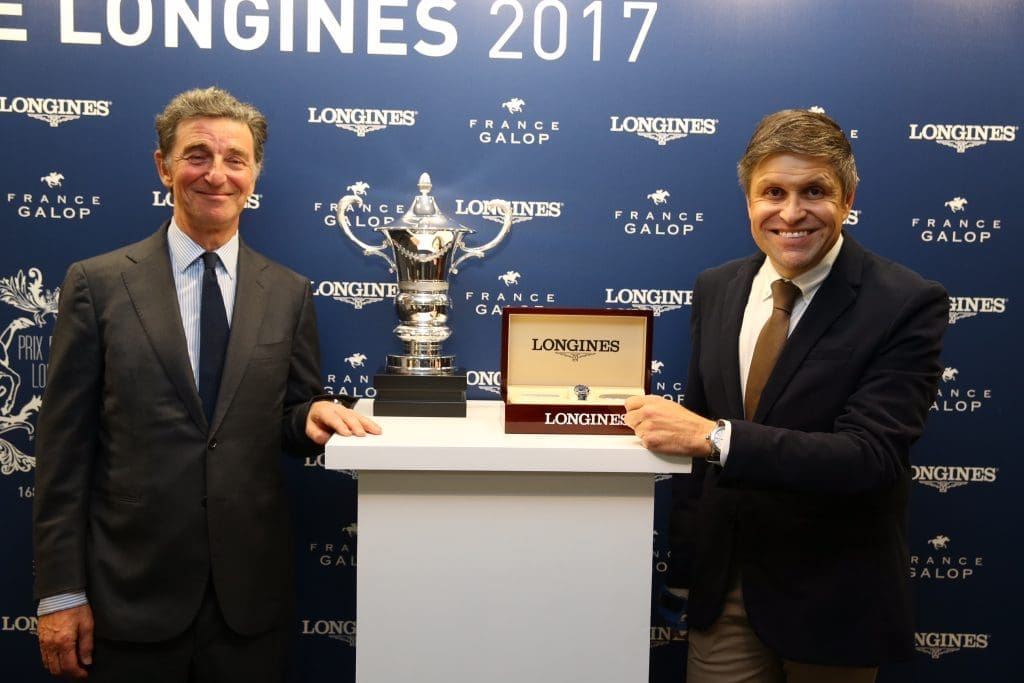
point(213, 444)
point(203, 501)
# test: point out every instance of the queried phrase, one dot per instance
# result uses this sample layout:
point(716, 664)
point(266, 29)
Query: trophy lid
point(423, 214)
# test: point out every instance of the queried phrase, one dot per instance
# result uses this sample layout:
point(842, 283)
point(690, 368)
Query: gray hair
point(209, 102)
point(804, 132)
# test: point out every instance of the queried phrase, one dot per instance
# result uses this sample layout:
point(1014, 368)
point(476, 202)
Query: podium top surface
point(478, 443)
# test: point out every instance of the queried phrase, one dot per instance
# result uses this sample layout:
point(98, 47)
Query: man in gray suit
point(160, 526)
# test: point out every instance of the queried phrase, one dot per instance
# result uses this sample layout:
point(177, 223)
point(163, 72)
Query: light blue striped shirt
point(187, 267)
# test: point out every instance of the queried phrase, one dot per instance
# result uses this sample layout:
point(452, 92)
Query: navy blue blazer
point(811, 506)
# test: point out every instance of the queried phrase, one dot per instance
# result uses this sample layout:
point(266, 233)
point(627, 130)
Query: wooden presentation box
point(570, 370)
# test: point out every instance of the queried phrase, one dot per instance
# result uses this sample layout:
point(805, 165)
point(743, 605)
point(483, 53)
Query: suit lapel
point(150, 284)
point(837, 293)
point(250, 304)
point(732, 319)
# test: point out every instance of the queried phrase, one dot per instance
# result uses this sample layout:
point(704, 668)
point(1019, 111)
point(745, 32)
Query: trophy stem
point(421, 358)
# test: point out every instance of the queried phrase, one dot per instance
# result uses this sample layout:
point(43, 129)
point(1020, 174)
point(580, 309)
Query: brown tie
point(769, 343)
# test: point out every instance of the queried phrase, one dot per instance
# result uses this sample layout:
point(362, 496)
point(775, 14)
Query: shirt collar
point(184, 251)
point(807, 282)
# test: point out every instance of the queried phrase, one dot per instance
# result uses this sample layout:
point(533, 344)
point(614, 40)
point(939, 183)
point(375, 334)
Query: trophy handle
point(478, 252)
point(368, 250)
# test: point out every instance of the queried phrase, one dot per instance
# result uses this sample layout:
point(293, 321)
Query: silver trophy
point(422, 248)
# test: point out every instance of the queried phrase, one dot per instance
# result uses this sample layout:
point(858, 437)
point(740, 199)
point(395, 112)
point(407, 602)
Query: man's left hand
point(326, 418)
point(664, 426)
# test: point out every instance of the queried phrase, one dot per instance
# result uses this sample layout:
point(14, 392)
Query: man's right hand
point(65, 641)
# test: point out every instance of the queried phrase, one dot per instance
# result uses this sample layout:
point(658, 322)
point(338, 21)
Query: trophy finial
point(424, 204)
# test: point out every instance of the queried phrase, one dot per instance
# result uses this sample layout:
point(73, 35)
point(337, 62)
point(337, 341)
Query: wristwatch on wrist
point(714, 439)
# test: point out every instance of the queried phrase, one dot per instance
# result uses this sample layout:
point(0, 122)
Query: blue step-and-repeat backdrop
point(613, 127)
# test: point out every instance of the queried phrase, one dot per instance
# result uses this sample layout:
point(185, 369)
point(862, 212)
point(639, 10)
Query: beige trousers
point(730, 652)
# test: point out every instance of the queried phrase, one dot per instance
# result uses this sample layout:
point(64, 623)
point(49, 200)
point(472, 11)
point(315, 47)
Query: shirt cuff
point(724, 445)
point(56, 603)
point(347, 401)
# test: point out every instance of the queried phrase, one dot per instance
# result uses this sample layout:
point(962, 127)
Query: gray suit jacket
point(138, 500)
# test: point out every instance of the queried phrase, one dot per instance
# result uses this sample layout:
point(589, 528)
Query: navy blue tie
point(213, 336)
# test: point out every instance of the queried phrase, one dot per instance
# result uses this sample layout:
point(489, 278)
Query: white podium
point(493, 557)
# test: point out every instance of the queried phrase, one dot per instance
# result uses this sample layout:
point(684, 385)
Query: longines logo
point(657, 219)
point(361, 121)
point(356, 294)
point(664, 635)
point(962, 136)
point(25, 293)
point(164, 198)
point(657, 300)
point(952, 397)
point(586, 419)
point(956, 225)
point(946, 477)
point(484, 380)
point(339, 553)
point(937, 644)
point(515, 130)
point(521, 210)
point(575, 348)
point(343, 630)
point(942, 564)
point(19, 624)
point(491, 302)
point(961, 307)
point(53, 110)
point(53, 202)
point(663, 129)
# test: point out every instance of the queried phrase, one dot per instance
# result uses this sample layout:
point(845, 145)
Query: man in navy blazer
point(790, 535)
point(161, 533)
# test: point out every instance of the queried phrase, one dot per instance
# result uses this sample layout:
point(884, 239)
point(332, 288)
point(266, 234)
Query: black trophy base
point(419, 395)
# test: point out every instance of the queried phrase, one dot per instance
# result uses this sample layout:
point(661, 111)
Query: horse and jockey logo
point(514, 106)
point(949, 374)
point(52, 179)
point(510, 278)
point(659, 196)
point(356, 360)
point(956, 204)
point(359, 188)
point(940, 542)
point(25, 293)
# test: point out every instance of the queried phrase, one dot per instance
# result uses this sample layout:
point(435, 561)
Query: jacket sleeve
point(867, 446)
point(686, 488)
point(66, 441)
point(304, 381)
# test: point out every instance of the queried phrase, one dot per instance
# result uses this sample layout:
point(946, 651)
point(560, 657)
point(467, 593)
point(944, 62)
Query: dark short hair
point(805, 132)
point(209, 102)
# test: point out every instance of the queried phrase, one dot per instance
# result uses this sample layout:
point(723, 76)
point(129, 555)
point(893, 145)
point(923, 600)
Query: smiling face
point(796, 208)
point(211, 172)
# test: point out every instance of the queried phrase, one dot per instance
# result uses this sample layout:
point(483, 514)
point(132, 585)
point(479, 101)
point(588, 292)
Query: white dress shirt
point(759, 309)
